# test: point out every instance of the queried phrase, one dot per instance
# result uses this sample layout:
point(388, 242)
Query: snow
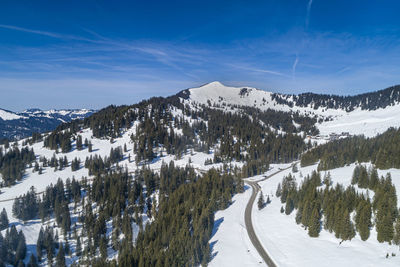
point(8, 115)
point(253, 97)
point(53, 113)
point(285, 241)
point(369, 123)
point(230, 243)
point(280, 235)
point(101, 147)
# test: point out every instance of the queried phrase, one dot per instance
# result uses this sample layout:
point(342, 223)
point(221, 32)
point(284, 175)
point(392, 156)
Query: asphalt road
point(249, 224)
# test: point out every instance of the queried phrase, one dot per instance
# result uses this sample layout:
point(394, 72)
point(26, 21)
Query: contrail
point(296, 61)
point(308, 12)
point(294, 66)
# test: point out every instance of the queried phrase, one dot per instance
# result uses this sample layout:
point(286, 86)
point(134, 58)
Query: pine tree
point(363, 180)
point(374, 178)
point(294, 168)
point(3, 220)
point(32, 261)
point(103, 248)
point(20, 252)
point(289, 204)
point(299, 214)
point(39, 244)
point(278, 190)
point(314, 224)
point(347, 227)
point(78, 249)
point(396, 238)
point(306, 214)
point(79, 142)
point(260, 201)
point(90, 147)
point(328, 179)
point(60, 259)
point(385, 229)
point(363, 220)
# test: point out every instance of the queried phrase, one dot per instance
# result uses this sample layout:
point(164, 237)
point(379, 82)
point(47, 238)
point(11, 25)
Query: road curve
point(249, 224)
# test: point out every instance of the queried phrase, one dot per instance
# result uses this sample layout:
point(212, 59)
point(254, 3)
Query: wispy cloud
point(46, 33)
point(163, 54)
point(343, 70)
point(278, 63)
point(308, 13)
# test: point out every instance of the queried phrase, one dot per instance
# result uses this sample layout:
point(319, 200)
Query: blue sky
point(74, 54)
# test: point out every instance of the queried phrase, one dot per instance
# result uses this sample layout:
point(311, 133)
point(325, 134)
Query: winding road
point(247, 218)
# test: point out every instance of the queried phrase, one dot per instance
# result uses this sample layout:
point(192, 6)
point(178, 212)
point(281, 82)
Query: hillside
point(368, 114)
point(160, 182)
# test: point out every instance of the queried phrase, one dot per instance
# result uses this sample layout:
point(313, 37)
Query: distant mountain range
point(22, 124)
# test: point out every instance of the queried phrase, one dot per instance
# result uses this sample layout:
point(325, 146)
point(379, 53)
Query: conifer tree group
point(320, 205)
point(12, 247)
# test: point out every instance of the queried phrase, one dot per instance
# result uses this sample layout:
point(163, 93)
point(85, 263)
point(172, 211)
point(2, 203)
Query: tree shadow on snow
point(217, 223)
point(213, 254)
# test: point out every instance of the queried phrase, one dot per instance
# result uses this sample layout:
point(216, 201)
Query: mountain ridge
point(16, 125)
point(366, 101)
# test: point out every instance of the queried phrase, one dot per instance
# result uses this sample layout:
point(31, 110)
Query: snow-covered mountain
point(368, 114)
point(23, 124)
point(185, 129)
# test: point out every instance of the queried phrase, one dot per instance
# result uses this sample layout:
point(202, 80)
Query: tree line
point(367, 101)
point(318, 204)
point(383, 151)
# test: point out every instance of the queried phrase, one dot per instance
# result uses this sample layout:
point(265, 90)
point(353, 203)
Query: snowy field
point(368, 123)
point(289, 244)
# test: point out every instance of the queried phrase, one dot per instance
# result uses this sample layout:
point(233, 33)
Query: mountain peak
point(214, 84)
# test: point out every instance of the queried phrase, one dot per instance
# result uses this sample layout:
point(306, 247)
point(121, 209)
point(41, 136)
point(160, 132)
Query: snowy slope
point(285, 240)
point(287, 243)
point(8, 115)
point(217, 93)
point(369, 123)
point(230, 244)
point(279, 234)
point(102, 148)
